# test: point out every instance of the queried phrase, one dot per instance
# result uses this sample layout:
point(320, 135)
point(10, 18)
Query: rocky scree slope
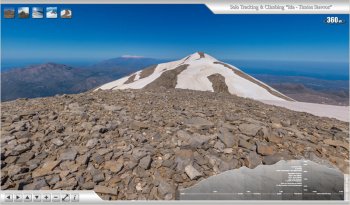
point(146, 144)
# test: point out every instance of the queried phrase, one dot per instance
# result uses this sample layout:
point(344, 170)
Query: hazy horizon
point(322, 70)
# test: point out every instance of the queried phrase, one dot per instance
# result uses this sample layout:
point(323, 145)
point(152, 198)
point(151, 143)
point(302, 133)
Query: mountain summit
point(198, 71)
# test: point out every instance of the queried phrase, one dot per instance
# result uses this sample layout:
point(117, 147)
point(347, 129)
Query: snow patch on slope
point(137, 77)
point(195, 77)
point(113, 84)
point(321, 110)
point(141, 83)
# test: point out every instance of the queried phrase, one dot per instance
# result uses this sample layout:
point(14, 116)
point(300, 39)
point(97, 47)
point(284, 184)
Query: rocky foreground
point(144, 144)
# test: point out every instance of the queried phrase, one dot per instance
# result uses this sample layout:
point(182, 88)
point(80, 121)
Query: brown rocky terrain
point(146, 144)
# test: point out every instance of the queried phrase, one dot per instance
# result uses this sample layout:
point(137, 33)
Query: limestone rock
point(265, 149)
point(106, 190)
point(249, 129)
point(228, 138)
point(69, 154)
point(145, 162)
point(252, 160)
point(192, 173)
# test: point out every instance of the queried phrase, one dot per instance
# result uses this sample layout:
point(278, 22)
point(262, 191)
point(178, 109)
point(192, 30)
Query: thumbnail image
point(9, 13)
point(37, 12)
point(23, 12)
point(66, 13)
point(51, 12)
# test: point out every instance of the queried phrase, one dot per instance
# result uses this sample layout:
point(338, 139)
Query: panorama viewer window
point(186, 102)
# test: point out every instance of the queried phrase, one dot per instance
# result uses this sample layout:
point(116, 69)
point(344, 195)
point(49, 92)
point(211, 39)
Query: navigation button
point(56, 198)
point(18, 198)
point(27, 197)
point(36, 198)
point(8, 198)
point(75, 197)
point(46, 197)
point(65, 197)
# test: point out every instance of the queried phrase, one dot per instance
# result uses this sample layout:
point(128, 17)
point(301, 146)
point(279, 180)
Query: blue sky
point(172, 31)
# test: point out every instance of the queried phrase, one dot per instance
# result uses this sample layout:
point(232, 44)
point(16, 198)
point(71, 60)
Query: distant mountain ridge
point(48, 79)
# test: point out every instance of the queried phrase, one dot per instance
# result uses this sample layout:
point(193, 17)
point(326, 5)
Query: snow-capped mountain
point(202, 72)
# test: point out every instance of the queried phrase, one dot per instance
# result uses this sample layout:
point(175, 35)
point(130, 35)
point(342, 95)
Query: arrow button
point(27, 197)
point(36, 198)
point(8, 198)
point(18, 198)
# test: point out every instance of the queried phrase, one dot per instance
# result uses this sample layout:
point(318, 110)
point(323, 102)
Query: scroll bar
point(346, 187)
